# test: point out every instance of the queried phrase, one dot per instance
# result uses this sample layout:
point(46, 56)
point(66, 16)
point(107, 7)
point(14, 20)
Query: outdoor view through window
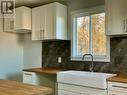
point(91, 34)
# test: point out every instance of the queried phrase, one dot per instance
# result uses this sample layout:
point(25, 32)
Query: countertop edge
point(119, 78)
point(51, 71)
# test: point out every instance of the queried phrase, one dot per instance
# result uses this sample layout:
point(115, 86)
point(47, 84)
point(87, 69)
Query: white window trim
point(84, 12)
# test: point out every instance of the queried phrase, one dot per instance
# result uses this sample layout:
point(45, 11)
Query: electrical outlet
point(59, 59)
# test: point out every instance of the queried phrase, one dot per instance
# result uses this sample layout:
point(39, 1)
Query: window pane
point(98, 34)
point(83, 35)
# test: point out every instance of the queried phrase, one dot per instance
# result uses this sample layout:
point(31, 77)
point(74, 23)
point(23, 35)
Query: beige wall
point(17, 52)
point(11, 51)
point(32, 51)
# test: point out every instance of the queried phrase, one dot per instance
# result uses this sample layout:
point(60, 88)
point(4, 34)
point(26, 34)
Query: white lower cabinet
point(63, 92)
point(68, 89)
point(116, 93)
point(116, 88)
point(30, 78)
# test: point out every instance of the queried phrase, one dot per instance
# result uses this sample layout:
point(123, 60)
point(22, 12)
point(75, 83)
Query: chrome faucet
point(91, 68)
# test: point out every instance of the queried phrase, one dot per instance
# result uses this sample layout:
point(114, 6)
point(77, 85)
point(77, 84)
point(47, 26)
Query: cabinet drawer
point(29, 77)
point(81, 89)
point(116, 93)
point(115, 86)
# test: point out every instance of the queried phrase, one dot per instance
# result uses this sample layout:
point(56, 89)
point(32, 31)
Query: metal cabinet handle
point(125, 25)
point(119, 86)
point(28, 74)
point(42, 32)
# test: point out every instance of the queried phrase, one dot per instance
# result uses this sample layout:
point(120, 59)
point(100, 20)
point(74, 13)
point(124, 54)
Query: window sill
point(97, 59)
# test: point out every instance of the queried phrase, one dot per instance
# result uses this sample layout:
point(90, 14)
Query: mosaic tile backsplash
point(51, 50)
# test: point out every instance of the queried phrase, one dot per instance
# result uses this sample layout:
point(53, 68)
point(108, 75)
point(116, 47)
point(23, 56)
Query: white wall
point(11, 59)
point(32, 53)
point(80, 4)
point(17, 52)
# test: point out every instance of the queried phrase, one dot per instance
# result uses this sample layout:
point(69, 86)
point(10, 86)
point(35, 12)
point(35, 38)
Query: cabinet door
point(18, 18)
point(116, 93)
point(36, 24)
point(50, 21)
point(116, 22)
point(62, 92)
point(42, 23)
point(23, 18)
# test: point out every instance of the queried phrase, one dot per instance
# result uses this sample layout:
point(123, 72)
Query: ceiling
point(34, 3)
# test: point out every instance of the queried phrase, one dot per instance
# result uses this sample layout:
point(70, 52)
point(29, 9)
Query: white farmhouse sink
point(82, 78)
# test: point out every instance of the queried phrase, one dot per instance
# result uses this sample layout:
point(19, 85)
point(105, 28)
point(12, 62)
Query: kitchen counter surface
point(119, 78)
point(52, 71)
point(16, 88)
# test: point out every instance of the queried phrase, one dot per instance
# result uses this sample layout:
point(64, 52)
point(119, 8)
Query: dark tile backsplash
point(51, 50)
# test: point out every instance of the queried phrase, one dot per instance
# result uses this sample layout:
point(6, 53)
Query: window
point(88, 34)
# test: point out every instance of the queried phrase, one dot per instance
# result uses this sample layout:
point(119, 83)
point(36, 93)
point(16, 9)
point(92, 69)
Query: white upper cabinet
point(116, 17)
point(20, 22)
point(49, 22)
point(37, 20)
point(23, 19)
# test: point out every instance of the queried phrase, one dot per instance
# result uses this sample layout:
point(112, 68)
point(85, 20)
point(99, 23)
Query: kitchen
point(18, 51)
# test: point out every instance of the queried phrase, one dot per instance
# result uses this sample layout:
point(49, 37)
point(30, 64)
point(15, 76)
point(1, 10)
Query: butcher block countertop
point(52, 71)
point(16, 88)
point(119, 78)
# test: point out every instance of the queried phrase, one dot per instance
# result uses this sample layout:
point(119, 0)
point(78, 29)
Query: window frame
point(86, 12)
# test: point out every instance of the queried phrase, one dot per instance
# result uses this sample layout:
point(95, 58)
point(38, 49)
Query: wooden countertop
point(119, 78)
point(16, 88)
point(52, 71)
